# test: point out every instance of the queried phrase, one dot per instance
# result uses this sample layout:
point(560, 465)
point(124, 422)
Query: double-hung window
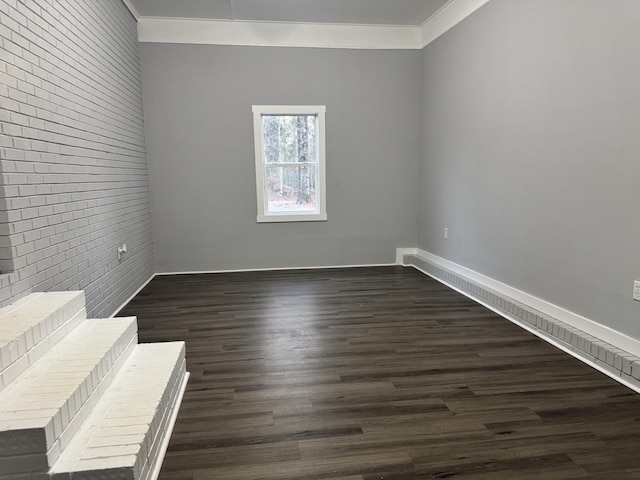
point(290, 163)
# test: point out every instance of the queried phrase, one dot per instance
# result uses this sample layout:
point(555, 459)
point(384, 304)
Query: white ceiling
point(366, 12)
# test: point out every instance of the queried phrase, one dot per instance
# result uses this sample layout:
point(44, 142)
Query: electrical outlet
point(446, 233)
point(636, 290)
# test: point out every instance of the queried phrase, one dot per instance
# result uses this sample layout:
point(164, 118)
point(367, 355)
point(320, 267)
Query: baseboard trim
point(132, 296)
point(401, 252)
point(240, 270)
point(616, 356)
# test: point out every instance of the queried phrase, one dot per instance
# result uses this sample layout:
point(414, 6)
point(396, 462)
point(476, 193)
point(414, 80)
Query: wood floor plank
point(377, 373)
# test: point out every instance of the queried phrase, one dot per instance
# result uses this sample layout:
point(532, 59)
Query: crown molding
point(451, 13)
point(132, 9)
point(276, 34)
point(310, 35)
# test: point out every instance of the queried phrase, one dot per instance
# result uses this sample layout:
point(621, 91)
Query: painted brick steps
point(121, 441)
point(34, 324)
point(41, 410)
point(80, 399)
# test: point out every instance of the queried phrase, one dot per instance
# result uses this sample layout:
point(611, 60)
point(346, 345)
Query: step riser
point(80, 399)
point(157, 385)
point(67, 435)
point(67, 415)
point(155, 435)
point(27, 476)
point(166, 428)
point(34, 326)
point(30, 353)
point(36, 463)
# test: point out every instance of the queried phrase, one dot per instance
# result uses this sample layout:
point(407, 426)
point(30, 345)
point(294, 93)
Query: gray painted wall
point(201, 157)
point(531, 151)
point(74, 180)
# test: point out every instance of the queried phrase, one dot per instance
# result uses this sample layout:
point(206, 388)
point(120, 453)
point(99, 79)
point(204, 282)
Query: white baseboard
point(131, 297)
point(401, 252)
point(241, 270)
point(589, 326)
point(603, 348)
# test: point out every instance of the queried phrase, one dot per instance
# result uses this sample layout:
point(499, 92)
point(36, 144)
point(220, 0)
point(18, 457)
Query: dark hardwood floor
point(375, 373)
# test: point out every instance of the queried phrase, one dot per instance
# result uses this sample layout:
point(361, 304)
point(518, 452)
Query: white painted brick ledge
point(57, 392)
point(94, 404)
point(122, 435)
point(32, 326)
point(606, 357)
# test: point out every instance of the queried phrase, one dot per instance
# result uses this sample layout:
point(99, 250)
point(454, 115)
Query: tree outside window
point(289, 143)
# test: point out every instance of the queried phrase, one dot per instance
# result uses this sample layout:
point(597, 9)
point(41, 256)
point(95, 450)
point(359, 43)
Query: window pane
point(290, 163)
point(291, 189)
point(290, 138)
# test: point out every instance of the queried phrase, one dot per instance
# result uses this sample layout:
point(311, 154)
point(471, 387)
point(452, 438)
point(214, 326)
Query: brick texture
point(73, 171)
point(94, 405)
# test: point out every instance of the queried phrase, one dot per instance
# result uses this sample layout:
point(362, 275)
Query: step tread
point(31, 310)
point(124, 429)
point(48, 395)
point(32, 326)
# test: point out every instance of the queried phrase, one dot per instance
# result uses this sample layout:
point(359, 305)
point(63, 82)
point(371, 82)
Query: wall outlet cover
point(636, 290)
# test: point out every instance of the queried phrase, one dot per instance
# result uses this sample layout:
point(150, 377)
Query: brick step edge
point(32, 440)
point(126, 434)
point(36, 323)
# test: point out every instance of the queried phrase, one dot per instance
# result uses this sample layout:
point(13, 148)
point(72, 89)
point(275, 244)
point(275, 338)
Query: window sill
point(320, 217)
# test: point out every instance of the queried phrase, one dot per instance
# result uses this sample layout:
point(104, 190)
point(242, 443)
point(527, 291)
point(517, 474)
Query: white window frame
point(320, 214)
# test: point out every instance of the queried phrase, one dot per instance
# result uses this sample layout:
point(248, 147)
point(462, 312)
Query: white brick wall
point(73, 183)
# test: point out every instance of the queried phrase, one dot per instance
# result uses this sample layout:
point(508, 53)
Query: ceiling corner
point(132, 9)
point(452, 13)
